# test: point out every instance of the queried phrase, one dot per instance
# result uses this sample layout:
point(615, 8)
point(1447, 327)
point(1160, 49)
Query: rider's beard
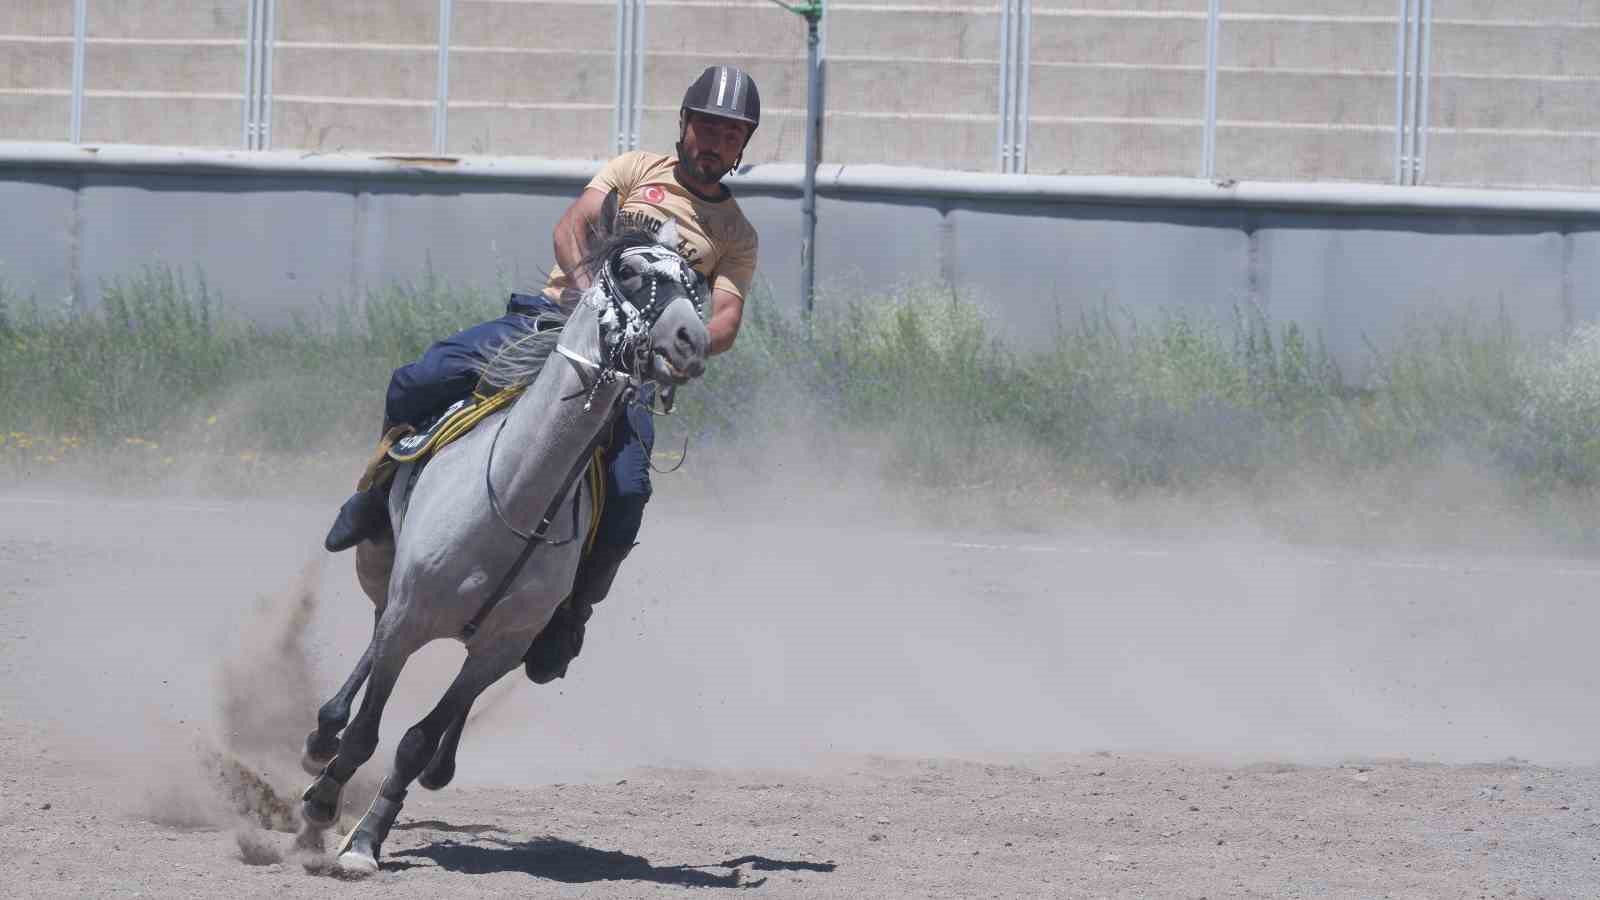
point(707, 166)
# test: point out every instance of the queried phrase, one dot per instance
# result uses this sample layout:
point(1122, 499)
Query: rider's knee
point(621, 520)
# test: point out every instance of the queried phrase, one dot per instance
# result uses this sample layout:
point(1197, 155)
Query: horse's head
point(653, 324)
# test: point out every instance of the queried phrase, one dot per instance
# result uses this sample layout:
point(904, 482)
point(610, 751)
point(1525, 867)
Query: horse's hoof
point(355, 864)
point(318, 754)
point(319, 806)
point(358, 856)
point(318, 816)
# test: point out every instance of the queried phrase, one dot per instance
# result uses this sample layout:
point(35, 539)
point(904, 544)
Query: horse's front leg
point(320, 806)
point(322, 745)
point(361, 850)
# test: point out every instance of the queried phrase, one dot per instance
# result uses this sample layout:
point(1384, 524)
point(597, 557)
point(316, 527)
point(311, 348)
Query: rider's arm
point(572, 234)
point(729, 286)
point(727, 308)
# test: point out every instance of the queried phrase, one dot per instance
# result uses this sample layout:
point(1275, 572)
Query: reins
point(532, 540)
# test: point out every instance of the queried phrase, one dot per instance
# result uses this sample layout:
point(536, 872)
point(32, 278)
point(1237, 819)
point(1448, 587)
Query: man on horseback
point(719, 113)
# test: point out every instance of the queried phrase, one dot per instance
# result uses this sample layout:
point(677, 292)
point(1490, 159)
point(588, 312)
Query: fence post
point(1419, 162)
point(264, 116)
point(811, 11)
point(1208, 140)
point(1402, 16)
point(628, 98)
point(258, 75)
point(80, 33)
point(1003, 141)
point(1016, 33)
point(441, 101)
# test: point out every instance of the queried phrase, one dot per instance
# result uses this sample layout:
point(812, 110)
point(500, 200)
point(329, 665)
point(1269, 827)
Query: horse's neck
point(544, 434)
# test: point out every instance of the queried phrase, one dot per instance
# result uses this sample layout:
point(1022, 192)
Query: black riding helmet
point(725, 91)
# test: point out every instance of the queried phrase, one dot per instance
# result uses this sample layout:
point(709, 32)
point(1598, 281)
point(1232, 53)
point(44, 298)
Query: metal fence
point(1227, 89)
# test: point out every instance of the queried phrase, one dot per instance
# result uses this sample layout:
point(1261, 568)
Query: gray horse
point(487, 540)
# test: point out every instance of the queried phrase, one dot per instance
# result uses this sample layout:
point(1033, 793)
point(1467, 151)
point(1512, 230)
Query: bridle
point(625, 328)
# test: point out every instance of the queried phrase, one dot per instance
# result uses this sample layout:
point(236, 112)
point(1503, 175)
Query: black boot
point(364, 516)
point(562, 639)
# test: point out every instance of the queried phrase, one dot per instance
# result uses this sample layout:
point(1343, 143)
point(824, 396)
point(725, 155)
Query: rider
point(719, 113)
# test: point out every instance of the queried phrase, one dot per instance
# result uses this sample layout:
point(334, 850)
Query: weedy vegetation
point(1174, 403)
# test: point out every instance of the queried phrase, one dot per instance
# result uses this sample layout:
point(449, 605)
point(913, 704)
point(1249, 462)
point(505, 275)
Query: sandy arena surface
point(814, 709)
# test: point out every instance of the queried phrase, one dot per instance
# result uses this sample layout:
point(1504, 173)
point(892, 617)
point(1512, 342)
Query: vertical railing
point(257, 124)
point(264, 96)
point(1413, 52)
point(80, 40)
point(1208, 139)
point(441, 94)
point(1400, 57)
point(1016, 34)
point(1419, 160)
point(627, 106)
point(247, 114)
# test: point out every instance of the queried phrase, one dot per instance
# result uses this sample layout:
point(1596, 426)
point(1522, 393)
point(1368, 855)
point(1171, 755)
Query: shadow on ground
point(560, 860)
point(436, 825)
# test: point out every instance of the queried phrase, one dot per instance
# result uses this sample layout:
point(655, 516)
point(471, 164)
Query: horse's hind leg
point(323, 743)
point(359, 855)
point(442, 767)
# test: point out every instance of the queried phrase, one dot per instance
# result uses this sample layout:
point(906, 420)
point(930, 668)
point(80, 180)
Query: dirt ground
point(810, 706)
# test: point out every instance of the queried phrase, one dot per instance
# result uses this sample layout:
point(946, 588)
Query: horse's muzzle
point(668, 372)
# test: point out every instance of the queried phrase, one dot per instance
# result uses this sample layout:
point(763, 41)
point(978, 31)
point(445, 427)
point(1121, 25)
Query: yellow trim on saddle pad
point(459, 422)
point(596, 473)
point(387, 459)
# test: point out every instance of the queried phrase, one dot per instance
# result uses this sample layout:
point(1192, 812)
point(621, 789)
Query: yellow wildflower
point(211, 420)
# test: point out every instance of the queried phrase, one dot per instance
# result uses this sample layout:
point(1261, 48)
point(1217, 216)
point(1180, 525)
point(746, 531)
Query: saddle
point(403, 445)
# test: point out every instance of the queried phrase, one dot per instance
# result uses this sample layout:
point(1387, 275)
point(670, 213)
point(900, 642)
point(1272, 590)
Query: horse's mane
point(519, 360)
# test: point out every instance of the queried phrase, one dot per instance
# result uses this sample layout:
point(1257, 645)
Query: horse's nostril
point(684, 338)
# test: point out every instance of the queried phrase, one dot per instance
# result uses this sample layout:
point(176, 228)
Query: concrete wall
point(1306, 88)
point(279, 233)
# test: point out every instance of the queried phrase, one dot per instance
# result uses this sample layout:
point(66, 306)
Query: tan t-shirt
point(713, 235)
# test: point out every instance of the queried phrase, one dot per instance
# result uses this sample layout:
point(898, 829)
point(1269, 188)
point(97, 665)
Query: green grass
point(1177, 403)
point(160, 351)
point(1171, 404)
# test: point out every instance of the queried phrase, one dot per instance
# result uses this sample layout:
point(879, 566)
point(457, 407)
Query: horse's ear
point(668, 235)
point(606, 224)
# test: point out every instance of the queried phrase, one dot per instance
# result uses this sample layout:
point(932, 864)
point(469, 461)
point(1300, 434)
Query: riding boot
point(365, 516)
point(562, 639)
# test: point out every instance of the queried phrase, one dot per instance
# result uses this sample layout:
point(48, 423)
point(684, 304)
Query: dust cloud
point(787, 605)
